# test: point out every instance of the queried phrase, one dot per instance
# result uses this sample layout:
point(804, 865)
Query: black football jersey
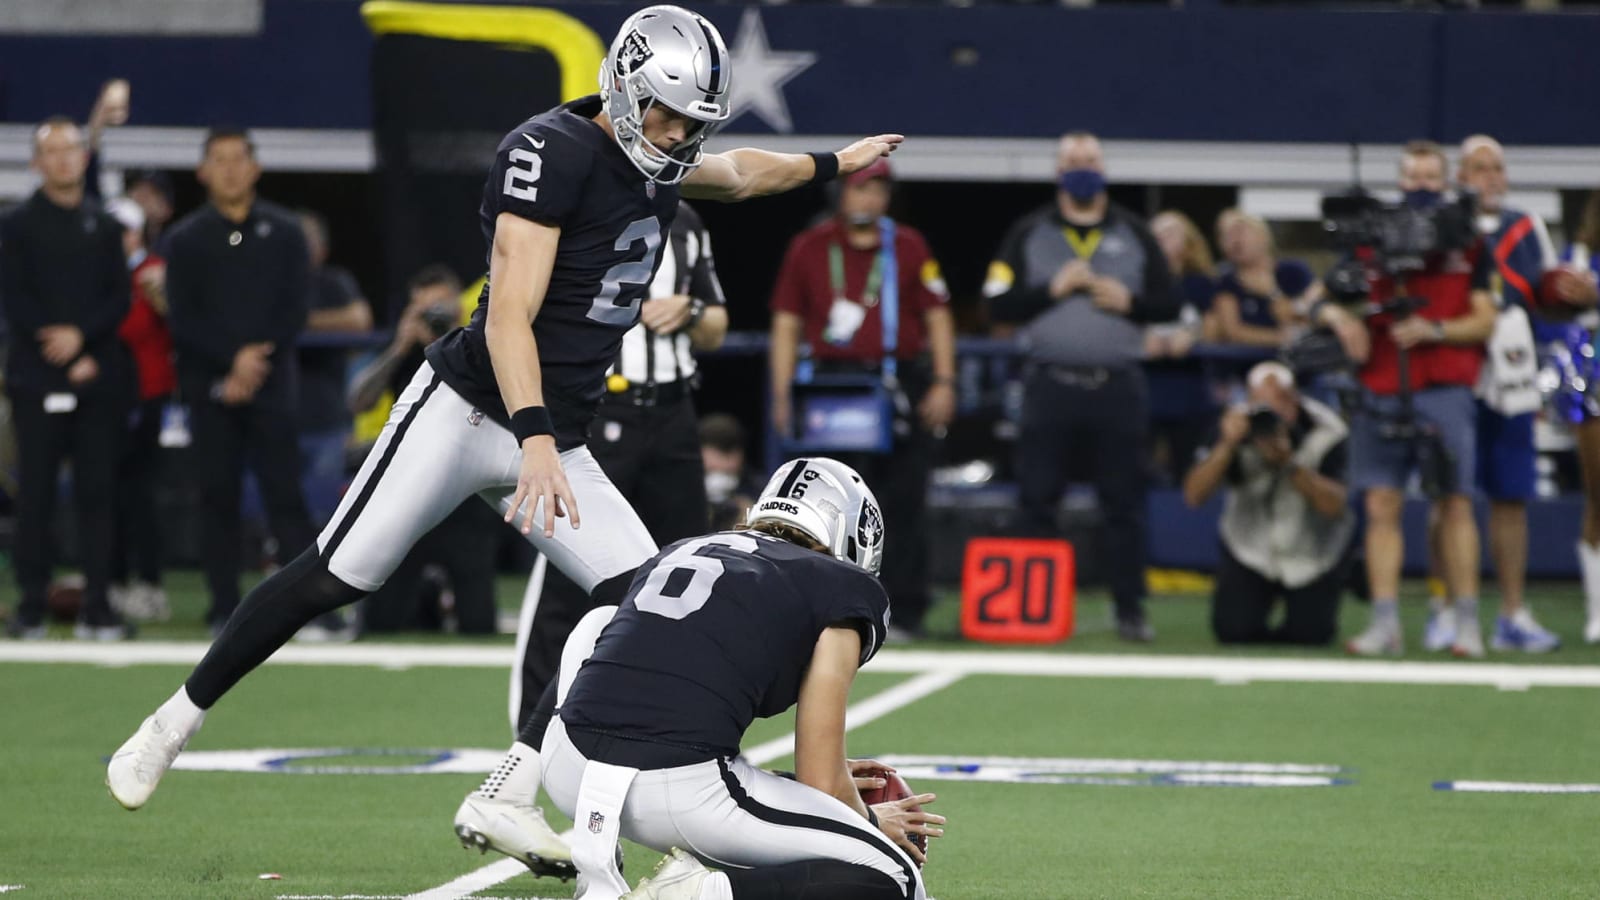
point(561, 169)
point(716, 632)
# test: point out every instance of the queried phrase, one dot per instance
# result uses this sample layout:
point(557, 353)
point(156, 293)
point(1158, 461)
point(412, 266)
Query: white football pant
point(435, 451)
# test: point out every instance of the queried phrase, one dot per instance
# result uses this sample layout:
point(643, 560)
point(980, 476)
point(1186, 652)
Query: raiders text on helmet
point(670, 56)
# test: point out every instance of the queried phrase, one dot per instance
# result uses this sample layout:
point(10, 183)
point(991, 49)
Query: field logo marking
point(1515, 787)
point(1116, 772)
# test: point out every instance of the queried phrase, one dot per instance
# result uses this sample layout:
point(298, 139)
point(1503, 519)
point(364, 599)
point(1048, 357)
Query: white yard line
point(875, 707)
point(1219, 669)
point(477, 880)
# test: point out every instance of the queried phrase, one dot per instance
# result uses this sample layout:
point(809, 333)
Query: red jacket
point(145, 332)
point(805, 288)
point(1447, 285)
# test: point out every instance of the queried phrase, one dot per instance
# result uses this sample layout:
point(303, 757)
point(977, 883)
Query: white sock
point(516, 779)
point(1589, 562)
point(716, 887)
point(1466, 613)
point(180, 711)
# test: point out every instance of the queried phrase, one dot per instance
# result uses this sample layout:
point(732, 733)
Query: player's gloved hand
point(864, 152)
point(542, 480)
point(898, 820)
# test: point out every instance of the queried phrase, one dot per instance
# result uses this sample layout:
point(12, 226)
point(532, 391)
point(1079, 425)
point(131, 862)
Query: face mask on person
point(720, 486)
point(1424, 199)
point(1083, 185)
point(860, 220)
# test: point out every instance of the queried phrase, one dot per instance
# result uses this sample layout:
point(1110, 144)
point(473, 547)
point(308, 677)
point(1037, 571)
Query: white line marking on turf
point(968, 662)
point(875, 707)
point(856, 715)
point(1515, 787)
point(8, 888)
point(474, 881)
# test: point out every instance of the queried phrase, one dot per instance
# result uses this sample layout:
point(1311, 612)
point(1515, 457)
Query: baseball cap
point(878, 169)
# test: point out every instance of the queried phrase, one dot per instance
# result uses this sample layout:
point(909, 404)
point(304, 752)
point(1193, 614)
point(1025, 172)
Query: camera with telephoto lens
point(1403, 238)
point(1264, 421)
point(440, 319)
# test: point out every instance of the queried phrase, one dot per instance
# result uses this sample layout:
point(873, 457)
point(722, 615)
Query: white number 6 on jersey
point(526, 173)
point(706, 569)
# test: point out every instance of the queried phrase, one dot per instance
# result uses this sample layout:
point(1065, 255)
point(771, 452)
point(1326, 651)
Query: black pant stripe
point(815, 823)
point(378, 470)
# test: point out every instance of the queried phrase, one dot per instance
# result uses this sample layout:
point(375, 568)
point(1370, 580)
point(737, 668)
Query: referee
point(646, 438)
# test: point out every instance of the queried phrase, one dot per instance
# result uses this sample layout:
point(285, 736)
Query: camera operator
point(1427, 423)
point(1285, 525)
point(465, 543)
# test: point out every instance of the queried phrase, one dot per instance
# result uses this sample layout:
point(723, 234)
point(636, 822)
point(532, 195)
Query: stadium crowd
point(135, 328)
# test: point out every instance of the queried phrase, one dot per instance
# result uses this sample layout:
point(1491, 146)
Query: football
point(895, 788)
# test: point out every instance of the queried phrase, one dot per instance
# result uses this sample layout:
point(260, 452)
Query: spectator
point(1508, 395)
point(1084, 276)
point(1444, 341)
point(730, 485)
point(336, 306)
point(834, 297)
point(64, 287)
point(136, 560)
point(457, 558)
point(238, 281)
point(1182, 409)
point(1285, 525)
point(1578, 399)
point(644, 435)
point(1258, 294)
point(152, 190)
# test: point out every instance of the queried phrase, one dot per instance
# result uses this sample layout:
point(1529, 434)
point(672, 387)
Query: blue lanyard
point(889, 304)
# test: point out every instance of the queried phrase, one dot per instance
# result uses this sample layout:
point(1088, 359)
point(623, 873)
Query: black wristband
point(531, 421)
point(827, 167)
point(872, 817)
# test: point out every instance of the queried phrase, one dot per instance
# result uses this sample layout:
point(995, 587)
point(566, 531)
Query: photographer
point(1430, 313)
point(463, 546)
point(1285, 525)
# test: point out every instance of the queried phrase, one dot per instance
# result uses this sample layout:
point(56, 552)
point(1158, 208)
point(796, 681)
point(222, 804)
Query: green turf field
point(1116, 828)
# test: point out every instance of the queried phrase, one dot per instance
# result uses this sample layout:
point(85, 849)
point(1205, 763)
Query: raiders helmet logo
point(634, 53)
point(869, 528)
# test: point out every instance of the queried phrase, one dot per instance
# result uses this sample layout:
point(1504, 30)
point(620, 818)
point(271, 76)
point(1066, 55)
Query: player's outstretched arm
point(520, 263)
point(819, 759)
point(747, 172)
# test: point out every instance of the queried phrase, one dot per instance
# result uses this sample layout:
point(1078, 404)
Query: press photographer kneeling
point(1285, 524)
point(1412, 305)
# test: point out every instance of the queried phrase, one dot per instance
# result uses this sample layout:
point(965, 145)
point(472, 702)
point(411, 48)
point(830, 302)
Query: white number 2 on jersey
point(522, 173)
point(706, 569)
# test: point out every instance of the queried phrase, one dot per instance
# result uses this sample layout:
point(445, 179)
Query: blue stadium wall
point(1153, 74)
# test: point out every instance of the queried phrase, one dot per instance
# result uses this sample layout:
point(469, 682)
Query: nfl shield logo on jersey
point(597, 822)
point(650, 189)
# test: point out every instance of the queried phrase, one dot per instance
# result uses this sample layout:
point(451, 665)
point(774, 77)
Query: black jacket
point(63, 267)
point(232, 284)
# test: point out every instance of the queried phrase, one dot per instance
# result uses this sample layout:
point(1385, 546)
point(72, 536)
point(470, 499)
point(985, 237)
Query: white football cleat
point(519, 832)
point(137, 766)
point(677, 877)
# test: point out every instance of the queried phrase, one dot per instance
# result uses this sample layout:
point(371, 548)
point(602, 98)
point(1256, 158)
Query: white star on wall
point(759, 73)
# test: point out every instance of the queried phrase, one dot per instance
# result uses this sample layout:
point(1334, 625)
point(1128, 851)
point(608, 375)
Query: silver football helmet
point(828, 501)
point(671, 56)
